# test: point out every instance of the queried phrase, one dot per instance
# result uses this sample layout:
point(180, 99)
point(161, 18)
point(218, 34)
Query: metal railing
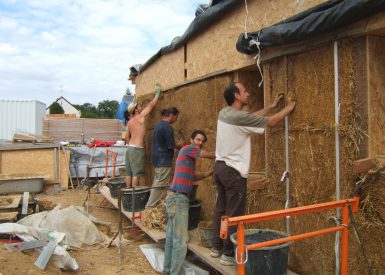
point(241, 253)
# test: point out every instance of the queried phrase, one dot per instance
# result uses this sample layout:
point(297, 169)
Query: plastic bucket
point(206, 233)
point(31, 205)
point(194, 192)
point(114, 185)
point(139, 198)
point(271, 260)
point(22, 216)
point(194, 214)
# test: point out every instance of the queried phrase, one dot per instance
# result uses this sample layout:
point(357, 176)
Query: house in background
point(69, 110)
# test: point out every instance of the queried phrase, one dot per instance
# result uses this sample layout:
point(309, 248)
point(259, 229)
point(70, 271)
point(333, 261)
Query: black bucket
point(194, 213)
point(31, 205)
point(194, 193)
point(271, 260)
point(22, 216)
point(114, 185)
point(139, 199)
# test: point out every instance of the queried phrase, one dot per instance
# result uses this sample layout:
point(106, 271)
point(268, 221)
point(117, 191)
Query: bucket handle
point(236, 258)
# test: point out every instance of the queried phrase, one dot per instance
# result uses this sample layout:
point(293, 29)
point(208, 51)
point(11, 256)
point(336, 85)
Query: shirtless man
point(136, 130)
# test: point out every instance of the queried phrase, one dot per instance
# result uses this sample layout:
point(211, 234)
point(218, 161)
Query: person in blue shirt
point(162, 153)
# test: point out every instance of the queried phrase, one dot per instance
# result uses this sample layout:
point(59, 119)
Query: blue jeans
point(177, 206)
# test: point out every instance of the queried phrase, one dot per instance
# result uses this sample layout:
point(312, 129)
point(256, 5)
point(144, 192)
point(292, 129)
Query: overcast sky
point(82, 49)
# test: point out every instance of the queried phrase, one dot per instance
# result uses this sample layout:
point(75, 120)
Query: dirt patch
point(91, 260)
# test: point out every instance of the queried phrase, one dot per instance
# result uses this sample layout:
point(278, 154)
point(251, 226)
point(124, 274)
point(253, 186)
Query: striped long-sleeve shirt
point(185, 169)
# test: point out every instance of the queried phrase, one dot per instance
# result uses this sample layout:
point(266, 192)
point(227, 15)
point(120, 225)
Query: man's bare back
point(136, 126)
point(136, 129)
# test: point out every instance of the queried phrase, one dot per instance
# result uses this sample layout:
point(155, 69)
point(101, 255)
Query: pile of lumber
point(31, 138)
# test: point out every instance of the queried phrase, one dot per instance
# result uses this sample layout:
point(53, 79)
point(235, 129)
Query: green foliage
point(56, 108)
point(105, 109)
point(89, 115)
point(108, 108)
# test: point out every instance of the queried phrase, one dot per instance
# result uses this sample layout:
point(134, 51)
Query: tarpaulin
point(311, 23)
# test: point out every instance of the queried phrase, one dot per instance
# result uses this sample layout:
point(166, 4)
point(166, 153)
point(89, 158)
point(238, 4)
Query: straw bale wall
point(199, 105)
point(376, 93)
point(309, 77)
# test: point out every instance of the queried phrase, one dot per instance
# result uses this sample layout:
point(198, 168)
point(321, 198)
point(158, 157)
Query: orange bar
point(345, 240)
point(224, 227)
point(106, 163)
point(291, 211)
point(295, 237)
point(241, 249)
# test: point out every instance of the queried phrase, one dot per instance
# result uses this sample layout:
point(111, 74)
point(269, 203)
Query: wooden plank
point(25, 146)
point(156, 235)
point(160, 236)
point(204, 254)
point(363, 165)
point(10, 201)
point(8, 216)
point(376, 95)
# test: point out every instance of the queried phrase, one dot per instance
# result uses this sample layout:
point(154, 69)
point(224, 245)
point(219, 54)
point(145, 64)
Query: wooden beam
point(364, 165)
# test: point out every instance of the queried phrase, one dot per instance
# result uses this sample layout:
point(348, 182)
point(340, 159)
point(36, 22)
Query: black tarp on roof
point(316, 21)
point(199, 24)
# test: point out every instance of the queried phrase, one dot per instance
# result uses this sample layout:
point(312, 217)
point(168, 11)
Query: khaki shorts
point(135, 162)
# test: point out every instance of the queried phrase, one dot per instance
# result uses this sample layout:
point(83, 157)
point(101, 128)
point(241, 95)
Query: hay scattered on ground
point(155, 218)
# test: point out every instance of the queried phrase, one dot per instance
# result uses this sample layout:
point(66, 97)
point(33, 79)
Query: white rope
point(257, 58)
point(246, 17)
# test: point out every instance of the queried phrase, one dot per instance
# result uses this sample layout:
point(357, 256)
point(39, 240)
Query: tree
point(108, 108)
point(87, 110)
point(56, 108)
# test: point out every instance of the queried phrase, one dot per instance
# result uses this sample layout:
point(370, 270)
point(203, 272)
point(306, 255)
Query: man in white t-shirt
point(232, 154)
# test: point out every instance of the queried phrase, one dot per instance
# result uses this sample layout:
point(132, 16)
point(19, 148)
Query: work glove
point(157, 90)
point(277, 99)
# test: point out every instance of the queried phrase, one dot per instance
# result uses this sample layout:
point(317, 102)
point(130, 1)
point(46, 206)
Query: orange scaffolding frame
point(115, 156)
point(241, 253)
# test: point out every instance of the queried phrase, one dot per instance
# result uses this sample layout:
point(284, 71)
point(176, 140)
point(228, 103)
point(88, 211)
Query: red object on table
point(100, 143)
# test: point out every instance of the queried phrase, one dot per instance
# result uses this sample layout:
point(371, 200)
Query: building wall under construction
point(195, 60)
point(309, 77)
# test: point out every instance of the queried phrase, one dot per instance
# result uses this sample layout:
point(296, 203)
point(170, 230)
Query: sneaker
point(227, 260)
point(215, 253)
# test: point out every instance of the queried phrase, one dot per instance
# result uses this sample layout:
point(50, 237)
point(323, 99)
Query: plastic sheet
point(60, 258)
point(155, 256)
point(311, 23)
point(78, 227)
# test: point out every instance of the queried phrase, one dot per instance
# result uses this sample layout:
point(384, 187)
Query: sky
point(82, 49)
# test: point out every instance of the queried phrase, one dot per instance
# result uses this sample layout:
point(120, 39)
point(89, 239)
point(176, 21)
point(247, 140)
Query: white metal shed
point(23, 117)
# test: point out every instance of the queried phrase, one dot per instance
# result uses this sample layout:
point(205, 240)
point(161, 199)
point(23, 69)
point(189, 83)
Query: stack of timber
point(81, 129)
point(31, 138)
